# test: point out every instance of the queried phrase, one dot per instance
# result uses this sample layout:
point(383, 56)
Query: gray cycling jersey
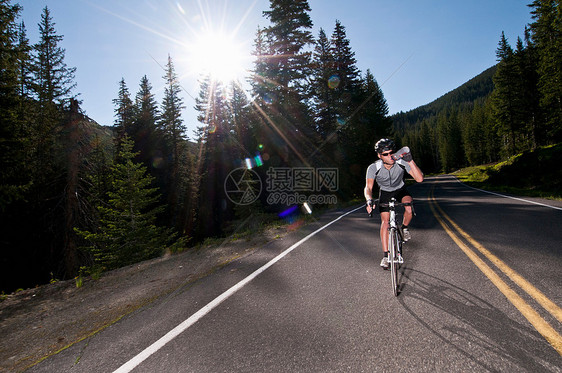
point(388, 180)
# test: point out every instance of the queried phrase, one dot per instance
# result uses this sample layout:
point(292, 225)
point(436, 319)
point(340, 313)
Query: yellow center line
point(539, 296)
point(541, 325)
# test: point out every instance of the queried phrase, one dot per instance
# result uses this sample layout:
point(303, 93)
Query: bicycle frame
point(393, 229)
point(395, 241)
point(394, 247)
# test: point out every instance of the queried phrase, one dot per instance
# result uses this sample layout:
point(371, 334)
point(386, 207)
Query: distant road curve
point(515, 198)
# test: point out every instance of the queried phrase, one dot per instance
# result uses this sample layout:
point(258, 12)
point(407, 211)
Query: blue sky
point(418, 50)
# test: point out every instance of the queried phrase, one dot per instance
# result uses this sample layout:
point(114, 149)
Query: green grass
point(534, 173)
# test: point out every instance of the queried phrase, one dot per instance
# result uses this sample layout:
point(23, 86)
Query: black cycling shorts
point(384, 197)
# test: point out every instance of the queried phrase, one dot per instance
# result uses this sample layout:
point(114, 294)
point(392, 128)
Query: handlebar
point(397, 204)
point(388, 205)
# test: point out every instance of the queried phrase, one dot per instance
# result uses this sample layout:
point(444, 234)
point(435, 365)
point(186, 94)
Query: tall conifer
point(54, 81)
point(367, 123)
point(174, 147)
point(147, 136)
point(11, 141)
point(546, 33)
point(504, 95)
point(25, 78)
point(124, 112)
point(216, 156)
point(323, 83)
point(345, 70)
point(128, 232)
point(282, 75)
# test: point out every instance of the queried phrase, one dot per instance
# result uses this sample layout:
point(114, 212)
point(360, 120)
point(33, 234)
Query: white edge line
point(146, 353)
point(503, 195)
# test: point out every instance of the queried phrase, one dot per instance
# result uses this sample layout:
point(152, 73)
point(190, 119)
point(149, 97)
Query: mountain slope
point(476, 88)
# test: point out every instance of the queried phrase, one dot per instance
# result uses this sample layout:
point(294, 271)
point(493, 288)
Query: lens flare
point(334, 82)
point(268, 99)
point(248, 162)
point(288, 212)
point(253, 162)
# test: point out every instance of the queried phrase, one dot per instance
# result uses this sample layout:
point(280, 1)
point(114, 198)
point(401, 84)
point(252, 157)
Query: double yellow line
point(540, 324)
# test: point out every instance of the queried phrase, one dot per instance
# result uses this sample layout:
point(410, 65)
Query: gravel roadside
point(39, 322)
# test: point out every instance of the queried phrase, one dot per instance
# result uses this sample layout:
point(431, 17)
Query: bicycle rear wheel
point(393, 259)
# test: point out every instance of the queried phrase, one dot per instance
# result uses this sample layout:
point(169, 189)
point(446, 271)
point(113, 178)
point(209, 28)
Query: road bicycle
point(395, 241)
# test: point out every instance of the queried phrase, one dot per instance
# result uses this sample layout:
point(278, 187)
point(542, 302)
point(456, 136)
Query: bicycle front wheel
point(393, 259)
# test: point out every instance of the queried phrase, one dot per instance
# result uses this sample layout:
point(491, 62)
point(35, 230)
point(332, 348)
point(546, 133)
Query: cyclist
point(389, 175)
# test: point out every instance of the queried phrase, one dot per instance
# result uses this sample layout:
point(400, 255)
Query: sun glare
point(220, 56)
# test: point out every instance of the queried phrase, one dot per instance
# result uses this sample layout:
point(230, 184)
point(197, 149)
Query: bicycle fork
point(393, 231)
point(397, 250)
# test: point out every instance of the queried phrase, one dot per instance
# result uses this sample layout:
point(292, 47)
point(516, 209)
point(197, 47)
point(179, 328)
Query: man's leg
point(407, 218)
point(385, 216)
point(407, 210)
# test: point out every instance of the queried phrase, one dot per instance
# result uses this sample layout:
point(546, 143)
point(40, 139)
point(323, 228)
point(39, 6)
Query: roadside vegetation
point(535, 173)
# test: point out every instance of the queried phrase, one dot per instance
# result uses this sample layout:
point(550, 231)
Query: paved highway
point(480, 292)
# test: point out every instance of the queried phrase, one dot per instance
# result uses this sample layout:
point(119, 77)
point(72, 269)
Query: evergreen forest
point(77, 198)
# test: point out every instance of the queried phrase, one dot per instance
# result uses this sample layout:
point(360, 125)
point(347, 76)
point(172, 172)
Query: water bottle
point(400, 153)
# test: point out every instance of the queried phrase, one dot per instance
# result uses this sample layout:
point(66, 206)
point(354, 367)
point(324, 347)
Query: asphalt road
point(485, 301)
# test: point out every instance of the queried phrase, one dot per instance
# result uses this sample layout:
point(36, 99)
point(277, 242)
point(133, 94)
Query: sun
point(220, 56)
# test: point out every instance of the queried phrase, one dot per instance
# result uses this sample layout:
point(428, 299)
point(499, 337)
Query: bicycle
point(395, 241)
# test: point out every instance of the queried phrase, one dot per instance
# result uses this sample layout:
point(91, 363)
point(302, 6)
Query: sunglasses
point(386, 154)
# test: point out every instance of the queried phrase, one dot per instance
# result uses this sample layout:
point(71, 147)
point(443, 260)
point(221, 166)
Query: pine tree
point(212, 105)
point(8, 65)
point(546, 33)
point(345, 70)
point(347, 133)
point(25, 78)
point(472, 134)
point(127, 230)
point(492, 139)
point(373, 107)
point(52, 85)
point(282, 77)
point(54, 81)
point(243, 122)
point(147, 136)
point(323, 83)
point(505, 95)
point(74, 139)
point(35, 228)
point(124, 111)
point(172, 105)
point(264, 89)
point(146, 113)
point(288, 36)
point(216, 155)
point(368, 123)
point(528, 109)
point(261, 86)
point(13, 183)
point(428, 149)
point(171, 124)
point(449, 140)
